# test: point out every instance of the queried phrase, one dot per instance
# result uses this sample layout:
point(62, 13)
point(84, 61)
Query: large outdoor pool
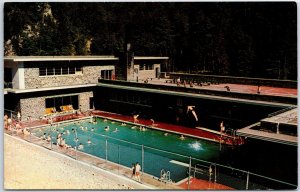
point(127, 144)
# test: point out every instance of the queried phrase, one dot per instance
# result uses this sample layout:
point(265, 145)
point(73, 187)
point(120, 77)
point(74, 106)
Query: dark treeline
point(255, 39)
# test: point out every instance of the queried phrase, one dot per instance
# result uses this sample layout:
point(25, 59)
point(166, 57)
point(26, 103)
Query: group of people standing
point(9, 123)
point(136, 170)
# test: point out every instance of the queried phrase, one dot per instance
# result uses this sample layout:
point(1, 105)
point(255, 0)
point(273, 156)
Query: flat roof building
point(39, 85)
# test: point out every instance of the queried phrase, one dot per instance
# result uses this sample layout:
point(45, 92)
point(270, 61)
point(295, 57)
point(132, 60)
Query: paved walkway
point(27, 166)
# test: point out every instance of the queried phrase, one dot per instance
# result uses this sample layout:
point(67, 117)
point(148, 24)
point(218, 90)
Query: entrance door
point(7, 78)
point(91, 102)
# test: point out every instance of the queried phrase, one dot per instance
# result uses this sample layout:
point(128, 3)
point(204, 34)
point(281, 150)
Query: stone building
point(40, 85)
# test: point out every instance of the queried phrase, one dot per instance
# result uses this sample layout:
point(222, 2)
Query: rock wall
point(84, 100)
point(33, 107)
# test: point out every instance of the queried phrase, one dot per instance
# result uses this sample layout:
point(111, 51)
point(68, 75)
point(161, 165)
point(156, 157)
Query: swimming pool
point(126, 144)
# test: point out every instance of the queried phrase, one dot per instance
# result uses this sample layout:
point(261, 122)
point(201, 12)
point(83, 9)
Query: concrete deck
point(289, 117)
point(238, 88)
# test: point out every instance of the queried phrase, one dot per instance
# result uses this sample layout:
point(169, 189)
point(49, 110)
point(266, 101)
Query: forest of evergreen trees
point(254, 39)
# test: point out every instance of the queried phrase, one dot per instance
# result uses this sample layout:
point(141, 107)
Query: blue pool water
point(124, 146)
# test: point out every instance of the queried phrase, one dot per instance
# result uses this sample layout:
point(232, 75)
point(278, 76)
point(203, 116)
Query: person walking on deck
point(137, 171)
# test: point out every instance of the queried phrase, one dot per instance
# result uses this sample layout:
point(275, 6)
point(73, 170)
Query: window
point(142, 66)
point(60, 103)
point(43, 71)
point(58, 70)
point(149, 67)
point(65, 71)
point(106, 74)
point(71, 70)
point(50, 71)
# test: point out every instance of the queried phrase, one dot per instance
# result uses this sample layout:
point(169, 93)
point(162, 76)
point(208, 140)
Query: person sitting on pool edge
point(25, 131)
point(62, 142)
point(48, 138)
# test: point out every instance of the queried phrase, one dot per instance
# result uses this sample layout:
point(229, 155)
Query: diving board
point(180, 163)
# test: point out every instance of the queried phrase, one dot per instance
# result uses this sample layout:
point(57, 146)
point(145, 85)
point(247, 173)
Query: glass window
point(149, 67)
point(141, 66)
point(65, 71)
point(78, 68)
point(57, 71)
point(43, 71)
point(71, 70)
point(50, 71)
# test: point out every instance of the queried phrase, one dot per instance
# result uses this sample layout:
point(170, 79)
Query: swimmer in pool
point(104, 120)
point(116, 130)
point(106, 128)
point(92, 129)
point(165, 134)
point(133, 127)
point(44, 136)
point(68, 132)
point(123, 124)
point(89, 141)
point(182, 137)
point(80, 146)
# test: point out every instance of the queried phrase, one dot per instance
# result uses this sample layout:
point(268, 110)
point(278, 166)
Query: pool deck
point(149, 181)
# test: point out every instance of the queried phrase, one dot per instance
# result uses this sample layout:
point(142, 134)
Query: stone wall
point(90, 75)
point(33, 107)
point(84, 100)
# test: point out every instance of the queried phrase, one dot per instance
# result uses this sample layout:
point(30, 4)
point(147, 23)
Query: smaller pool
point(127, 143)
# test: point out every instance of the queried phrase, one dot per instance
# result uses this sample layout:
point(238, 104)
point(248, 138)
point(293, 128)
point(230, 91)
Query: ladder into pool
point(165, 176)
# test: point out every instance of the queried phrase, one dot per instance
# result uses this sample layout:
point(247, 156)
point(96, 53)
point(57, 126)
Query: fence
point(117, 156)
